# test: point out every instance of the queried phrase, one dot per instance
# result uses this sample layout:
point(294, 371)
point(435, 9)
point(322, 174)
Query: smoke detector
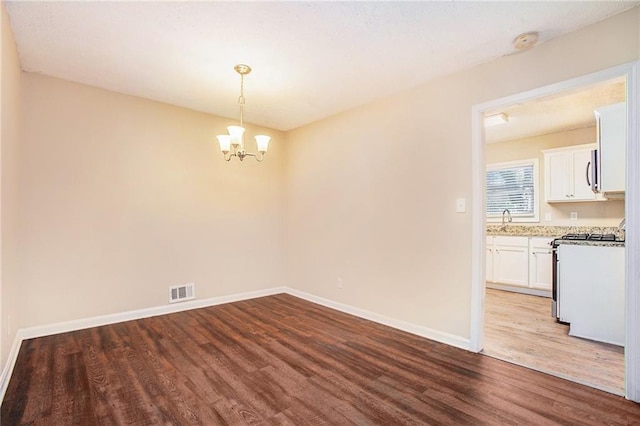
point(526, 40)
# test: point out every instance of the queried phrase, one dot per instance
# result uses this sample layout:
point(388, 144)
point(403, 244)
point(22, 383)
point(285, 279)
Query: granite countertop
point(557, 231)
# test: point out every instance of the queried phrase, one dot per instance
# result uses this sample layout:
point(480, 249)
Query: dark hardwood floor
point(282, 360)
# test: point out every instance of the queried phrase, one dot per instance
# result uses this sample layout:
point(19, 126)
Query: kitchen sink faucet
point(509, 219)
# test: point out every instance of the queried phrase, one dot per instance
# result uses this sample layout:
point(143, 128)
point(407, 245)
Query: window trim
point(536, 190)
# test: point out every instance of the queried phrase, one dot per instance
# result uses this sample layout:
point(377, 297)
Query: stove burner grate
point(589, 237)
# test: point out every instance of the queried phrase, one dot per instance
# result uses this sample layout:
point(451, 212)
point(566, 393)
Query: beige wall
point(10, 122)
point(371, 192)
point(120, 197)
point(123, 197)
point(599, 213)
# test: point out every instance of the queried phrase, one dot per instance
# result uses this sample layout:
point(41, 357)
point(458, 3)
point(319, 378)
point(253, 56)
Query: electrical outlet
point(547, 217)
point(339, 283)
point(574, 216)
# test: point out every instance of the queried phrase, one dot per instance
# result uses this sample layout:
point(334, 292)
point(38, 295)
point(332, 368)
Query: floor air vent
point(181, 292)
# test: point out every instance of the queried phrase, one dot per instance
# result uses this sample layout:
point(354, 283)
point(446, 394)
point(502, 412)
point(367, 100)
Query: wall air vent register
point(181, 292)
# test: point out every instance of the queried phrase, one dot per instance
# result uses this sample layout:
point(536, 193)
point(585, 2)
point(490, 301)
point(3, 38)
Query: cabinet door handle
point(587, 173)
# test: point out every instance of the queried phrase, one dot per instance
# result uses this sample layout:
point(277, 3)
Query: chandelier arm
point(229, 158)
point(258, 157)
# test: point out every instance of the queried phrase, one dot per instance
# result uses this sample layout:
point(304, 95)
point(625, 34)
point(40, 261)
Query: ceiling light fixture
point(526, 40)
point(495, 119)
point(234, 140)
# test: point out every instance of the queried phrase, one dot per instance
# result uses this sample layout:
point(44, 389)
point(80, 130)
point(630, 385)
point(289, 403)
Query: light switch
point(461, 205)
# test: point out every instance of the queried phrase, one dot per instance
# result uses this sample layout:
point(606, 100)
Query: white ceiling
point(555, 113)
point(310, 60)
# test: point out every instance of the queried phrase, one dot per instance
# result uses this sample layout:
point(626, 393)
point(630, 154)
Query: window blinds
point(511, 188)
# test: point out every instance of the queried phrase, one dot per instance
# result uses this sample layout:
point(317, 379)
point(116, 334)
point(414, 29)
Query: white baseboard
point(438, 336)
point(522, 290)
point(63, 327)
point(11, 362)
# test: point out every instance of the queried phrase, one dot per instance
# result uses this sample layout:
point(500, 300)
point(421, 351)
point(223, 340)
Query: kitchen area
point(555, 237)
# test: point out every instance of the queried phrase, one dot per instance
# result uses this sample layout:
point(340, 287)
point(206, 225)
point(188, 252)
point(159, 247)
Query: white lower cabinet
point(522, 262)
point(511, 259)
point(540, 266)
point(489, 261)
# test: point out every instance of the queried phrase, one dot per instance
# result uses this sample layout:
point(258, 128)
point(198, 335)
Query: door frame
point(631, 71)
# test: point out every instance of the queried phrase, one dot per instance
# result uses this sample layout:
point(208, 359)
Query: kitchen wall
point(122, 197)
point(599, 213)
point(371, 193)
point(10, 116)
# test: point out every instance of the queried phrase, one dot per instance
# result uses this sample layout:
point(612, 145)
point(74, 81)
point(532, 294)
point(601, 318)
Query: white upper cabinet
point(612, 143)
point(567, 174)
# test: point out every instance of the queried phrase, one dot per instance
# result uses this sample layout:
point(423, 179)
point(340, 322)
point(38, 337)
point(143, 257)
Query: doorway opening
point(512, 295)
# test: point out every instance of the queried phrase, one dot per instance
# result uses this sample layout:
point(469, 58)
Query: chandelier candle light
point(234, 140)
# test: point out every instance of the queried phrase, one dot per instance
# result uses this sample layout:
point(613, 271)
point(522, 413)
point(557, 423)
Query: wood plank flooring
point(519, 328)
point(281, 360)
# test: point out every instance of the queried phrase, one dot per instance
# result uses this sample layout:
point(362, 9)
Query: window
point(513, 186)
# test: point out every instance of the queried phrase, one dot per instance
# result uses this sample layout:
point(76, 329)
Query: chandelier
point(234, 140)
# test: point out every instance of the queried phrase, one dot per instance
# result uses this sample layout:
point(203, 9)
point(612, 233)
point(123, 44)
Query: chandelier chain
point(241, 100)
